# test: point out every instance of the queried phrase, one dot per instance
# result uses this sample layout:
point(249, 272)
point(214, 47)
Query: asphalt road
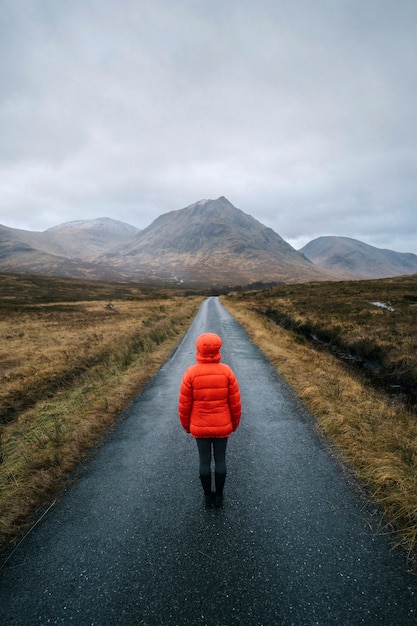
point(131, 543)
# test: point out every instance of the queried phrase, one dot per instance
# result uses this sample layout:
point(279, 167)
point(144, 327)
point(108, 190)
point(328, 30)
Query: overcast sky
point(303, 113)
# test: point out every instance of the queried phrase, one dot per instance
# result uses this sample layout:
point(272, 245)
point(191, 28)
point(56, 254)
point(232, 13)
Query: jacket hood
point(208, 348)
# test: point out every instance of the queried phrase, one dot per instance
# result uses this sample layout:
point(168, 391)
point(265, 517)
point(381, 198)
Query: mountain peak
point(213, 242)
point(209, 205)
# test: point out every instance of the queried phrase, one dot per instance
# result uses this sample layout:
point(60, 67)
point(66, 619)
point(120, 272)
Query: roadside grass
point(348, 318)
point(74, 353)
point(68, 368)
point(376, 434)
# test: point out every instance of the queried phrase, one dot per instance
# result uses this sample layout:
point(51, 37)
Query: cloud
point(302, 114)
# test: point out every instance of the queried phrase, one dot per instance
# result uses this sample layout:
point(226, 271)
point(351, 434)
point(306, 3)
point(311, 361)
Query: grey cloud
point(302, 114)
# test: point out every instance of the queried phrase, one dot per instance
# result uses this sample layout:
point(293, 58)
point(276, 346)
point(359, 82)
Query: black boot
point(219, 479)
point(206, 483)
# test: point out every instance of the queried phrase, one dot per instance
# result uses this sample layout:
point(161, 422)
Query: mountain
point(351, 259)
point(211, 242)
point(65, 250)
point(82, 239)
point(89, 238)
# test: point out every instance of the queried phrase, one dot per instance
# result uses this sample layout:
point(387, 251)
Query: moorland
point(74, 353)
point(371, 324)
point(349, 350)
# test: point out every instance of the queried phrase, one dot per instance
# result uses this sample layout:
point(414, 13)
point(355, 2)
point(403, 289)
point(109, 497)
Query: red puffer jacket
point(209, 402)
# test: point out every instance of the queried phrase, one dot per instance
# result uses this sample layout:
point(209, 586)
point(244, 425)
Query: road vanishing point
point(130, 542)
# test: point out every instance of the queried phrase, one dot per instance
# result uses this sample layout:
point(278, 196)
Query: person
point(209, 408)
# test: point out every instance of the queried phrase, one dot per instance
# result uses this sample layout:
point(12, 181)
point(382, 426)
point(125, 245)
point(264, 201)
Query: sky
point(303, 113)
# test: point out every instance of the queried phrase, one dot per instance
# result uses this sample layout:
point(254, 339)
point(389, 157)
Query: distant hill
point(352, 259)
point(65, 250)
point(211, 242)
point(82, 239)
point(85, 239)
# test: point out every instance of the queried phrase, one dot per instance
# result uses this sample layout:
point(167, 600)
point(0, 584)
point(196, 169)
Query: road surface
point(131, 543)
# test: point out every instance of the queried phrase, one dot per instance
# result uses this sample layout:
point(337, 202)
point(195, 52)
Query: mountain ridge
point(209, 242)
point(353, 259)
point(81, 239)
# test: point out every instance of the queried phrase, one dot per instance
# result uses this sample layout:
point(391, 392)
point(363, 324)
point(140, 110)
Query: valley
point(74, 354)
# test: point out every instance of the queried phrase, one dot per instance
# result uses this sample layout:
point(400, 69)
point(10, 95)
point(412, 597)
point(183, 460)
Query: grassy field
point(72, 356)
point(372, 324)
point(368, 413)
point(74, 353)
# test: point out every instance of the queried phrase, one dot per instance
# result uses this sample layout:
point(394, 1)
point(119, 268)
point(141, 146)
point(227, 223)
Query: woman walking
point(209, 408)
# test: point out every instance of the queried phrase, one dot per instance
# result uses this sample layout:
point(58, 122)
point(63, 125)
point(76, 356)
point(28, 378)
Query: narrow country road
point(130, 542)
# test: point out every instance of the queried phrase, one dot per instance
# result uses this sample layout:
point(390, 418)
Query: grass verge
point(375, 435)
point(96, 360)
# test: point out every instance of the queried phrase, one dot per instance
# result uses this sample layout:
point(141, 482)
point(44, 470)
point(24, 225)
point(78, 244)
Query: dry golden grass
point(343, 314)
point(375, 435)
point(69, 364)
point(47, 348)
point(67, 370)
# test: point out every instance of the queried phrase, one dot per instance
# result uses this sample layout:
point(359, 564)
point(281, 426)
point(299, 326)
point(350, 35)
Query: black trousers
point(205, 448)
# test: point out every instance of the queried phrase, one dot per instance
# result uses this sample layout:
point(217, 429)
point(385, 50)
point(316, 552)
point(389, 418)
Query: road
point(131, 543)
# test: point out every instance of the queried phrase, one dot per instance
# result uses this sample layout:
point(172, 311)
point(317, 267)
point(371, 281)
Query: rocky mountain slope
point(211, 242)
point(353, 259)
